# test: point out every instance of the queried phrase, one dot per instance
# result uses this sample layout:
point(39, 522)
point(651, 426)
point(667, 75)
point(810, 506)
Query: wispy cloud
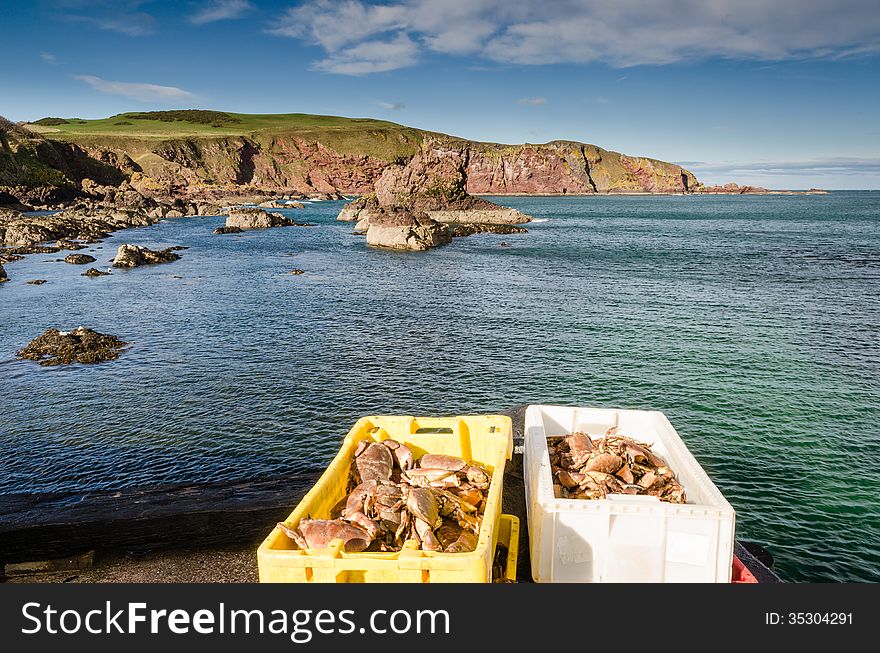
point(391, 106)
point(49, 58)
point(622, 33)
point(532, 101)
point(137, 91)
point(823, 166)
point(371, 57)
point(221, 10)
point(122, 16)
point(137, 24)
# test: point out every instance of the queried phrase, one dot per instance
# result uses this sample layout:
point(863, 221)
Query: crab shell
point(604, 462)
point(374, 463)
point(319, 533)
point(441, 461)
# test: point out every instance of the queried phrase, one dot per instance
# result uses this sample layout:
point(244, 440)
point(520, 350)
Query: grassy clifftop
point(137, 130)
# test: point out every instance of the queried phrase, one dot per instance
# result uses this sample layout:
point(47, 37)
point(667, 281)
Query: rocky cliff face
point(241, 165)
point(563, 167)
point(40, 169)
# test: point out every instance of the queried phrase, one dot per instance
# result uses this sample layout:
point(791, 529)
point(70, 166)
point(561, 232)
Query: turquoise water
point(753, 322)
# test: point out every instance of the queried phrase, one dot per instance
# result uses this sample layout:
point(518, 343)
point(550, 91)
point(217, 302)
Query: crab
point(319, 533)
point(584, 468)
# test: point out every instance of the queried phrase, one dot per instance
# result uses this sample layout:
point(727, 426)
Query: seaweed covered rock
point(79, 259)
point(459, 230)
point(132, 256)
point(81, 345)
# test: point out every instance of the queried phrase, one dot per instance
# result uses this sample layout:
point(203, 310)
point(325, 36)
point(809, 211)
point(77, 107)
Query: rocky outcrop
point(79, 259)
point(228, 230)
point(730, 189)
point(132, 256)
point(461, 230)
point(81, 345)
point(412, 204)
point(498, 215)
point(405, 231)
point(84, 223)
point(256, 218)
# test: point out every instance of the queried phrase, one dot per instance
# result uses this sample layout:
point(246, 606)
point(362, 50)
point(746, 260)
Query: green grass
point(386, 140)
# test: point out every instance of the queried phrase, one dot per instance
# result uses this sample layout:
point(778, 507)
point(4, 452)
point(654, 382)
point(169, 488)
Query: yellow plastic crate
point(508, 534)
point(484, 439)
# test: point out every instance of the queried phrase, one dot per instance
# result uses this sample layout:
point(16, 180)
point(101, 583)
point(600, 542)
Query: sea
point(752, 322)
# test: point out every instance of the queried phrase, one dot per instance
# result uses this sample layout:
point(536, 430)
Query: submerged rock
point(92, 272)
point(297, 271)
point(132, 256)
point(79, 259)
point(81, 345)
point(228, 230)
point(37, 282)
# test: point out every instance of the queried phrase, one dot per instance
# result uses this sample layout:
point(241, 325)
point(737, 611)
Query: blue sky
point(784, 94)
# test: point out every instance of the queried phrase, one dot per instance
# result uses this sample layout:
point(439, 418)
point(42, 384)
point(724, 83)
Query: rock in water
point(79, 259)
point(412, 204)
point(459, 230)
point(92, 272)
point(256, 218)
point(228, 230)
point(297, 271)
point(3, 276)
point(132, 256)
point(37, 282)
point(406, 231)
point(81, 345)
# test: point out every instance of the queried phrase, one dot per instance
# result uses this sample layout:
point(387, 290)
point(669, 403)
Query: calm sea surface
point(753, 322)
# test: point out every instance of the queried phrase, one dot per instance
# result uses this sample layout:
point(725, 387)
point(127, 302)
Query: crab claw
point(429, 540)
point(422, 503)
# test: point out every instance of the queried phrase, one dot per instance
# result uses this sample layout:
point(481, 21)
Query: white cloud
point(621, 33)
point(391, 106)
point(532, 101)
point(49, 58)
point(137, 91)
point(371, 57)
point(220, 10)
point(823, 166)
point(132, 24)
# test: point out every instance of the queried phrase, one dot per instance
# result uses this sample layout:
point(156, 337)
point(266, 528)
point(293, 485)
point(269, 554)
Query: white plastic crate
point(623, 538)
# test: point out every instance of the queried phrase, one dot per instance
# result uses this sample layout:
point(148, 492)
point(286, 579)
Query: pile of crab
point(584, 468)
point(437, 501)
